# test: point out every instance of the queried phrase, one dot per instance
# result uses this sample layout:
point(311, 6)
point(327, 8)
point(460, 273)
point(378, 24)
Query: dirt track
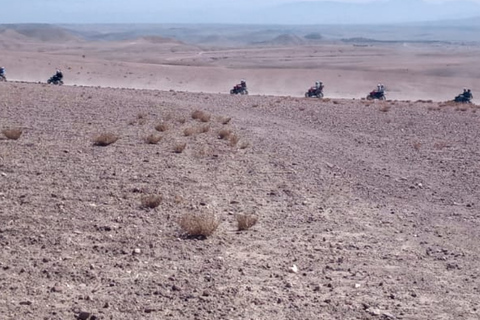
point(375, 203)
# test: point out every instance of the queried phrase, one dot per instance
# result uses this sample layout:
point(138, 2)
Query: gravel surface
point(366, 210)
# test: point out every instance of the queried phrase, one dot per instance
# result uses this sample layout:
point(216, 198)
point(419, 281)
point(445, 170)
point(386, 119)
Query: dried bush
point(199, 225)
point(12, 134)
point(188, 131)
point(182, 120)
point(179, 147)
point(200, 115)
point(244, 145)
point(233, 140)
point(246, 221)
point(153, 139)
point(384, 108)
point(197, 114)
point(141, 115)
point(224, 134)
point(417, 145)
point(204, 129)
point(105, 139)
point(151, 202)
point(226, 120)
point(161, 127)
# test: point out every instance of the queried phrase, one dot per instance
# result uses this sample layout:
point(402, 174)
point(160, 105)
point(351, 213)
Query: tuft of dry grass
point(182, 120)
point(384, 108)
point(153, 139)
point(200, 115)
point(225, 120)
point(244, 145)
point(189, 131)
point(246, 221)
point(224, 134)
point(204, 129)
point(105, 139)
point(13, 133)
point(440, 145)
point(199, 225)
point(233, 140)
point(151, 202)
point(417, 145)
point(179, 147)
point(161, 127)
point(335, 102)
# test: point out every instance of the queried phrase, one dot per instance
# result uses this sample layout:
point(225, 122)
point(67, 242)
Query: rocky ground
point(366, 210)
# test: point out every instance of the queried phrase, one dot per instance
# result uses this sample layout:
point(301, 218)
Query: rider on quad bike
point(465, 97)
point(379, 93)
point(240, 88)
point(57, 78)
point(3, 76)
point(315, 91)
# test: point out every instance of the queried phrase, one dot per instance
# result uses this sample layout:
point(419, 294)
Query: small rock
point(83, 315)
point(137, 251)
point(357, 285)
point(25, 303)
point(294, 269)
point(175, 288)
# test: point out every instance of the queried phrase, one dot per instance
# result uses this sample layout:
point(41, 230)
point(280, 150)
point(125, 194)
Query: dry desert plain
point(366, 210)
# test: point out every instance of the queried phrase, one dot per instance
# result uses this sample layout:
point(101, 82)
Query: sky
point(222, 11)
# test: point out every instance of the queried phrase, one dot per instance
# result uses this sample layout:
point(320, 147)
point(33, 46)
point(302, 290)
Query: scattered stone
point(84, 316)
point(357, 285)
point(175, 288)
point(294, 269)
point(137, 251)
point(25, 303)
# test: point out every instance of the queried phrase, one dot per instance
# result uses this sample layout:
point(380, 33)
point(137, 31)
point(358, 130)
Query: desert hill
point(364, 209)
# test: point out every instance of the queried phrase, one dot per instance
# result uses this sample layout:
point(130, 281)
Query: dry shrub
point(233, 140)
point(433, 108)
point(384, 108)
point(199, 225)
point(141, 115)
point(440, 145)
point(326, 100)
point(254, 105)
point(246, 221)
point(224, 134)
point(200, 115)
point(417, 145)
point(189, 131)
point(204, 129)
point(178, 199)
point(244, 145)
point(197, 114)
point(335, 102)
point(182, 120)
point(105, 139)
point(151, 202)
point(179, 147)
point(153, 139)
point(226, 120)
point(12, 134)
point(161, 127)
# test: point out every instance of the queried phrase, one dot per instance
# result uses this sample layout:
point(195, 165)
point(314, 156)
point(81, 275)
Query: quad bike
point(55, 80)
point(314, 92)
point(376, 95)
point(462, 98)
point(3, 78)
point(239, 89)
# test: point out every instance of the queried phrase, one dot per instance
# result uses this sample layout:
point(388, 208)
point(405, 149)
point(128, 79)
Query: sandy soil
point(375, 203)
point(367, 210)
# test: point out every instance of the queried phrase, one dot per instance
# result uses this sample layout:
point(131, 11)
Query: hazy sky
point(171, 11)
